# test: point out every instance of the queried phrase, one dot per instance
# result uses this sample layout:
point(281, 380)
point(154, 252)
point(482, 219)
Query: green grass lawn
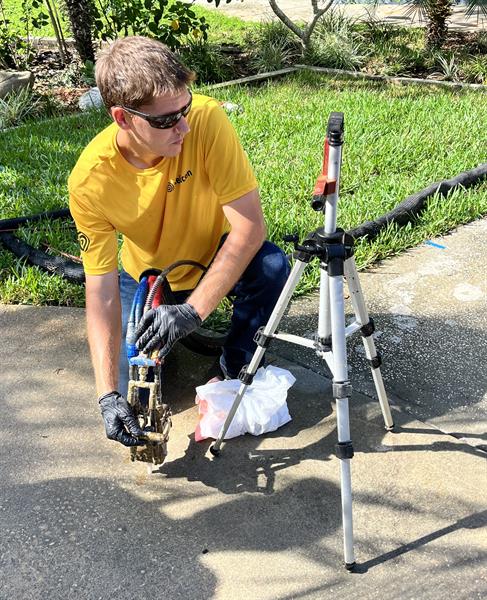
point(398, 140)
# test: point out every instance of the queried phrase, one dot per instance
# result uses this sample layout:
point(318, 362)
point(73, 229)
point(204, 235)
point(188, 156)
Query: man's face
point(160, 142)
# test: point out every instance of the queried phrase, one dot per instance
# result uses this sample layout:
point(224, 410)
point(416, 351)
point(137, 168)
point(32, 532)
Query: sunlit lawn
point(398, 141)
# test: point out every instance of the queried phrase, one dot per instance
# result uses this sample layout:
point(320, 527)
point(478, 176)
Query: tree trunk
point(438, 12)
point(303, 33)
point(63, 51)
point(81, 19)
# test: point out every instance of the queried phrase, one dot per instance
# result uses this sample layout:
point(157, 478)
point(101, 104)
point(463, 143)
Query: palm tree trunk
point(81, 18)
point(438, 12)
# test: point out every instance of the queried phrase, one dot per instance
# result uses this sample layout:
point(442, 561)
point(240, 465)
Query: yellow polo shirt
point(169, 212)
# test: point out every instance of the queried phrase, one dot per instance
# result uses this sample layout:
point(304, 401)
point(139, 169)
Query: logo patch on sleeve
point(84, 241)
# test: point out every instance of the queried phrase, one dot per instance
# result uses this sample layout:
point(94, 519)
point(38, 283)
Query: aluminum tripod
point(334, 249)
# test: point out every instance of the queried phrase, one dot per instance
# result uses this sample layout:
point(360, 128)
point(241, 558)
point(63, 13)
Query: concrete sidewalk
point(259, 10)
point(78, 520)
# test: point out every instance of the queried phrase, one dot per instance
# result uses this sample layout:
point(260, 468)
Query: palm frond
point(476, 7)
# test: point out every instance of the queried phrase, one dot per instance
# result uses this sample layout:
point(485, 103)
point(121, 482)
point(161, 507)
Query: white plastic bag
point(263, 407)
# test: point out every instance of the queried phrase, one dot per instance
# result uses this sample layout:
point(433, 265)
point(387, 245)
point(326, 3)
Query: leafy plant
point(377, 31)
point(335, 43)
point(391, 59)
point(337, 52)
point(335, 21)
point(16, 49)
point(16, 107)
point(272, 46)
point(303, 31)
point(88, 73)
point(474, 70)
point(207, 60)
point(167, 22)
point(448, 67)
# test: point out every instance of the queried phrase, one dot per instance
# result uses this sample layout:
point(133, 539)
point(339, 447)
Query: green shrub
point(474, 70)
point(376, 31)
point(335, 21)
point(336, 44)
point(15, 52)
point(448, 68)
point(16, 107)
point(396, 60)
point(272, 46)
point(16, 48)
point(207, 60)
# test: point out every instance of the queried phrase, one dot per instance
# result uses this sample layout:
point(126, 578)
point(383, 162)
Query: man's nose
point(182, 126)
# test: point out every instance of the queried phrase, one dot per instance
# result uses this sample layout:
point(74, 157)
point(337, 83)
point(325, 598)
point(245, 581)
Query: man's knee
point(274, 265)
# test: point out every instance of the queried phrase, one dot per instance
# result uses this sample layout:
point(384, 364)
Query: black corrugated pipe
point(57, 265)
point(410, 207)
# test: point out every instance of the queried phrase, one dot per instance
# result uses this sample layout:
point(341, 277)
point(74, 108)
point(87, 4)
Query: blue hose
point(136, 312)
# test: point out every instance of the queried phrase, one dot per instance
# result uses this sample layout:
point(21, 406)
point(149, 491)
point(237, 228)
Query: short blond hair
point(133, 70)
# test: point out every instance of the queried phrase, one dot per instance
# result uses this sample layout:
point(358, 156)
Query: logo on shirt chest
point(181, 179)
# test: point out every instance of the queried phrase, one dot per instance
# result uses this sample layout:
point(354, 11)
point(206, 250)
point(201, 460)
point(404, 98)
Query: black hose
point(57, 265)
point(409, 208)
point(403, 213)
point(16, 222)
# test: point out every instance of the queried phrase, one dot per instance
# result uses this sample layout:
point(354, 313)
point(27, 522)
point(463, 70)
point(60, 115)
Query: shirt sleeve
point(226, 163)
point(96, 236)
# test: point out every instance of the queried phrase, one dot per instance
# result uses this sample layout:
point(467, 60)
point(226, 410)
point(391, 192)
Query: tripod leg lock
point(261, 339)
point(375, 362)
point(324, 343)
point(342, 389)
point(344, 450)
point(245, 376)
point(368, 329)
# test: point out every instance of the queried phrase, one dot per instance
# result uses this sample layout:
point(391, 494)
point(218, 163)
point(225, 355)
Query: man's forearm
point(103, 316)
point(229, 264)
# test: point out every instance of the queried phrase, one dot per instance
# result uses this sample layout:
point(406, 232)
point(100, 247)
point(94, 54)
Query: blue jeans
point(254, 297)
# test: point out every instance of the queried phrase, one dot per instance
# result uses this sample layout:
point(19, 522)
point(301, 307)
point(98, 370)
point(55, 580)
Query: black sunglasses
point(163, 121)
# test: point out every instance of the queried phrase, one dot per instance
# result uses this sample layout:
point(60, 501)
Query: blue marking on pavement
point(435, 245)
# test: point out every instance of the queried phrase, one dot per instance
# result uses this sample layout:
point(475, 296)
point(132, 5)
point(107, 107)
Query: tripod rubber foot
point(350, 566)
point(391, 428)
point(215, 451)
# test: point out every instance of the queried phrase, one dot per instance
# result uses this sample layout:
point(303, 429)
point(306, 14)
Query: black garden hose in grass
point(409, 208)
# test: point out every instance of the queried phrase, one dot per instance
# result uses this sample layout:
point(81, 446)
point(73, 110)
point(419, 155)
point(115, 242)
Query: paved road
point(259, 10)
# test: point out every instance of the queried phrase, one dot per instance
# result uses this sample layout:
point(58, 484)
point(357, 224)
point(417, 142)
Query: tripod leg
point(341, 392)
point(324, 319)
point(248, 372)
point(367, 330)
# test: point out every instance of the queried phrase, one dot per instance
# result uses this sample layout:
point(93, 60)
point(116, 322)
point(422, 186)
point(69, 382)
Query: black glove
point(119, 419)
point(160, 328)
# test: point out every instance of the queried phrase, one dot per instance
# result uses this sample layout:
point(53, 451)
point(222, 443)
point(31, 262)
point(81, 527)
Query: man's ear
point(120, 117)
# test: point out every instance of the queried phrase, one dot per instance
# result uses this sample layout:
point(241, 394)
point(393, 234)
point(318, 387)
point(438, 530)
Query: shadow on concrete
point(89, 537)
point(474, 521)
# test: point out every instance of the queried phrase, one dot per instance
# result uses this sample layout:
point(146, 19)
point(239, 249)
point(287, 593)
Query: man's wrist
point(107, 394)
